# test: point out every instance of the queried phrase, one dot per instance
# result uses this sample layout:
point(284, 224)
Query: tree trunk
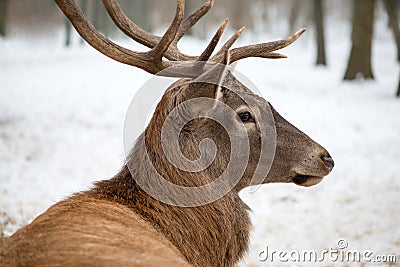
point(68, 29)
point(319, 24)
point(3, 16)
point(147, 11)
point(396, 6)
point(96, 14)
point(394, 23)
point(189, 9)
point(398, 90)
point(104, 21)
point(140, 12)
point(360, 56)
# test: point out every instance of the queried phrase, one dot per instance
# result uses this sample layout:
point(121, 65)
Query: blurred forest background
point(42, 17)
point(63, 108)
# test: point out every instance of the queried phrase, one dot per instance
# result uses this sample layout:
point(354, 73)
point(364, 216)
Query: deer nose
point(328, 161)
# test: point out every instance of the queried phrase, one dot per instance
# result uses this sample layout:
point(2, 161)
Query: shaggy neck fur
point(215, 234)
point(212, 235)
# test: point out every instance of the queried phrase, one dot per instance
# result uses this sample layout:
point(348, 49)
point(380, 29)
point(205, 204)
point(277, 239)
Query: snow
point(61, 121)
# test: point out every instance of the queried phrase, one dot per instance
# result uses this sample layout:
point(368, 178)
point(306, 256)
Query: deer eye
point(246, 117)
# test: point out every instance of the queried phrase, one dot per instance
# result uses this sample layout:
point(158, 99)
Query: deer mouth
point(306, 180)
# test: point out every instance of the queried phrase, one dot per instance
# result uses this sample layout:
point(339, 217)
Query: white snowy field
point(61, 121)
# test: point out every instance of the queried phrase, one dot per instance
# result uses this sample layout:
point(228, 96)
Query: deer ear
point(207, 85)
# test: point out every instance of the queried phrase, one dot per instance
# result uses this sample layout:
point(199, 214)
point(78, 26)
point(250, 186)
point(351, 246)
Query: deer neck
point(209, 235)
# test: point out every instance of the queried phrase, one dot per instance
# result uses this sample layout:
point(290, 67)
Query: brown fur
point(118, 224)
point(84, 231)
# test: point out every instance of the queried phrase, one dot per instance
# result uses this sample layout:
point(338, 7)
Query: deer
point(138, 217)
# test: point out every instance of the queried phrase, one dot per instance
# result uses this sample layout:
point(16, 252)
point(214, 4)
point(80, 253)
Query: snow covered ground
point(61, 121)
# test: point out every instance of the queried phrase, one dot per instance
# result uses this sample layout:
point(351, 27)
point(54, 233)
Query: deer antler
point(178, 63)
point(264, 50)
point(147, 39)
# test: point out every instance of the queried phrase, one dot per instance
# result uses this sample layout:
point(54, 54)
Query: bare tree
point(95, 15)
point(68, 28)
point(394, 23)
point(398, 90)
point(3, 16)
point(189, 8)
point(320, 35)
point(104, 21)
point(360, 56)
point(390, 7)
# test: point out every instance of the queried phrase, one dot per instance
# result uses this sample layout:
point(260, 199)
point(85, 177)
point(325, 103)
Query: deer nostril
point(328, 161)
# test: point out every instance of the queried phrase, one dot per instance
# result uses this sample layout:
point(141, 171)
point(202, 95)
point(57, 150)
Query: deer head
point(208, 103)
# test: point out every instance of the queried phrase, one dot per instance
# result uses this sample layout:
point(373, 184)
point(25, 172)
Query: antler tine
point(263, 50)
point(228, 44)
point(152, 61)
point(138, 34)
point(129, 27)
point(149, 61)
point(98, 41)
point(172, 53)
point(213, 43)
point(161, 47)
point(147, 39)
point(275, 55)
point(193, 19)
